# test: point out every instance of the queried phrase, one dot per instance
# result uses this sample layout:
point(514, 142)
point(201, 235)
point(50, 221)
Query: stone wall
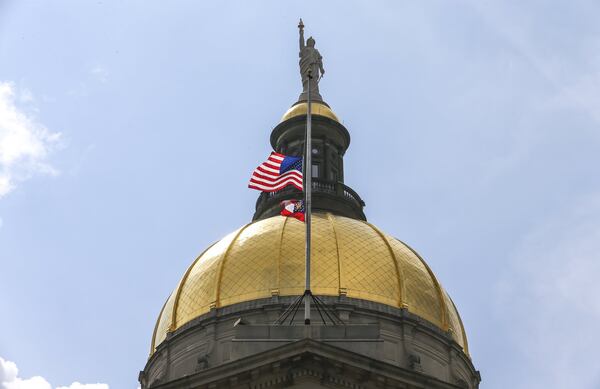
point(385, 336)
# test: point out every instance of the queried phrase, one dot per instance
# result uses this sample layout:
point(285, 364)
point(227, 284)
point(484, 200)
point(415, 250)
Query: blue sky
point(128, 130)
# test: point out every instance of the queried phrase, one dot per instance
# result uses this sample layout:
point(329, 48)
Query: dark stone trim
point(330, 364)
point(339, 304)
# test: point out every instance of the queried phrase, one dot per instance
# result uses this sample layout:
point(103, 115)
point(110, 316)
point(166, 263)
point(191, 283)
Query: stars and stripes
point(277, 172)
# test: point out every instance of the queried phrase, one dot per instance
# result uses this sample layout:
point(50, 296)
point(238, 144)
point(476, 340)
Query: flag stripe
point(272, 180)
point(270, 188)
point(273, 177)
point(257, 180)
point(267, 169)
point(268, 177)
point(271, 164)
point(260, 181)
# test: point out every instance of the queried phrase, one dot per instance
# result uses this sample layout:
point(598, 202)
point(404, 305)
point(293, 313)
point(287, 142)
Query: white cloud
point(549, 299)
point(24, 142)
point(26, 96)
point(77, 385)
point(100, 73)
point(9, 379)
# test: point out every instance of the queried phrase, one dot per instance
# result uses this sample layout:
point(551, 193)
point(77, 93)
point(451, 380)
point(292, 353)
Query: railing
point(318, 186)
point(352, 195)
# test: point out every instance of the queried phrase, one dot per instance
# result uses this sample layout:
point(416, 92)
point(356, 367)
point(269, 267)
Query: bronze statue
point(311, 66)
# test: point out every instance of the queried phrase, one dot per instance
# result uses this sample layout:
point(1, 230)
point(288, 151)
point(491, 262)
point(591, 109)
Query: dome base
point(213, 347)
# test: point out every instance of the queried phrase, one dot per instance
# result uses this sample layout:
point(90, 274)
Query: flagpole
point(307, 201)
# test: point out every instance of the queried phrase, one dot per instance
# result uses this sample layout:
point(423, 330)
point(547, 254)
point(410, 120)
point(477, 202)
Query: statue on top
point(311, 67)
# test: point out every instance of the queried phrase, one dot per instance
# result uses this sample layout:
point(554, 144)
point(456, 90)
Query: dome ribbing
point(350, 257)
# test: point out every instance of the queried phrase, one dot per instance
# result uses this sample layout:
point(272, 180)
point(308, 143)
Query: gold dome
point(317, 108)
point(350, 257)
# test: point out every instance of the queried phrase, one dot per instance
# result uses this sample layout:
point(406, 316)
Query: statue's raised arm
point(311, 66)
point(301, 28)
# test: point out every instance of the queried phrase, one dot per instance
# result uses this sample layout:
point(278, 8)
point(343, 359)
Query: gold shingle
point(349, 257)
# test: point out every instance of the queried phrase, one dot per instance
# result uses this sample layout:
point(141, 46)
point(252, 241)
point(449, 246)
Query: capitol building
point(385, 320)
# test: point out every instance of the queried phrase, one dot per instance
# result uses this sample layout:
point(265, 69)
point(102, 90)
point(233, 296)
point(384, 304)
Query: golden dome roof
point(350, 257)
point(317, 108)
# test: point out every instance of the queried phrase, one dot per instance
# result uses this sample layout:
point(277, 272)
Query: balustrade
point(318, 186)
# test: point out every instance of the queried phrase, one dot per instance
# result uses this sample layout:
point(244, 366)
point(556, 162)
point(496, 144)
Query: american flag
point(277, 172)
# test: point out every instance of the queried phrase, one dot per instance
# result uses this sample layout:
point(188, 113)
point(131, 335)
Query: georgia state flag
point(293, 208)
